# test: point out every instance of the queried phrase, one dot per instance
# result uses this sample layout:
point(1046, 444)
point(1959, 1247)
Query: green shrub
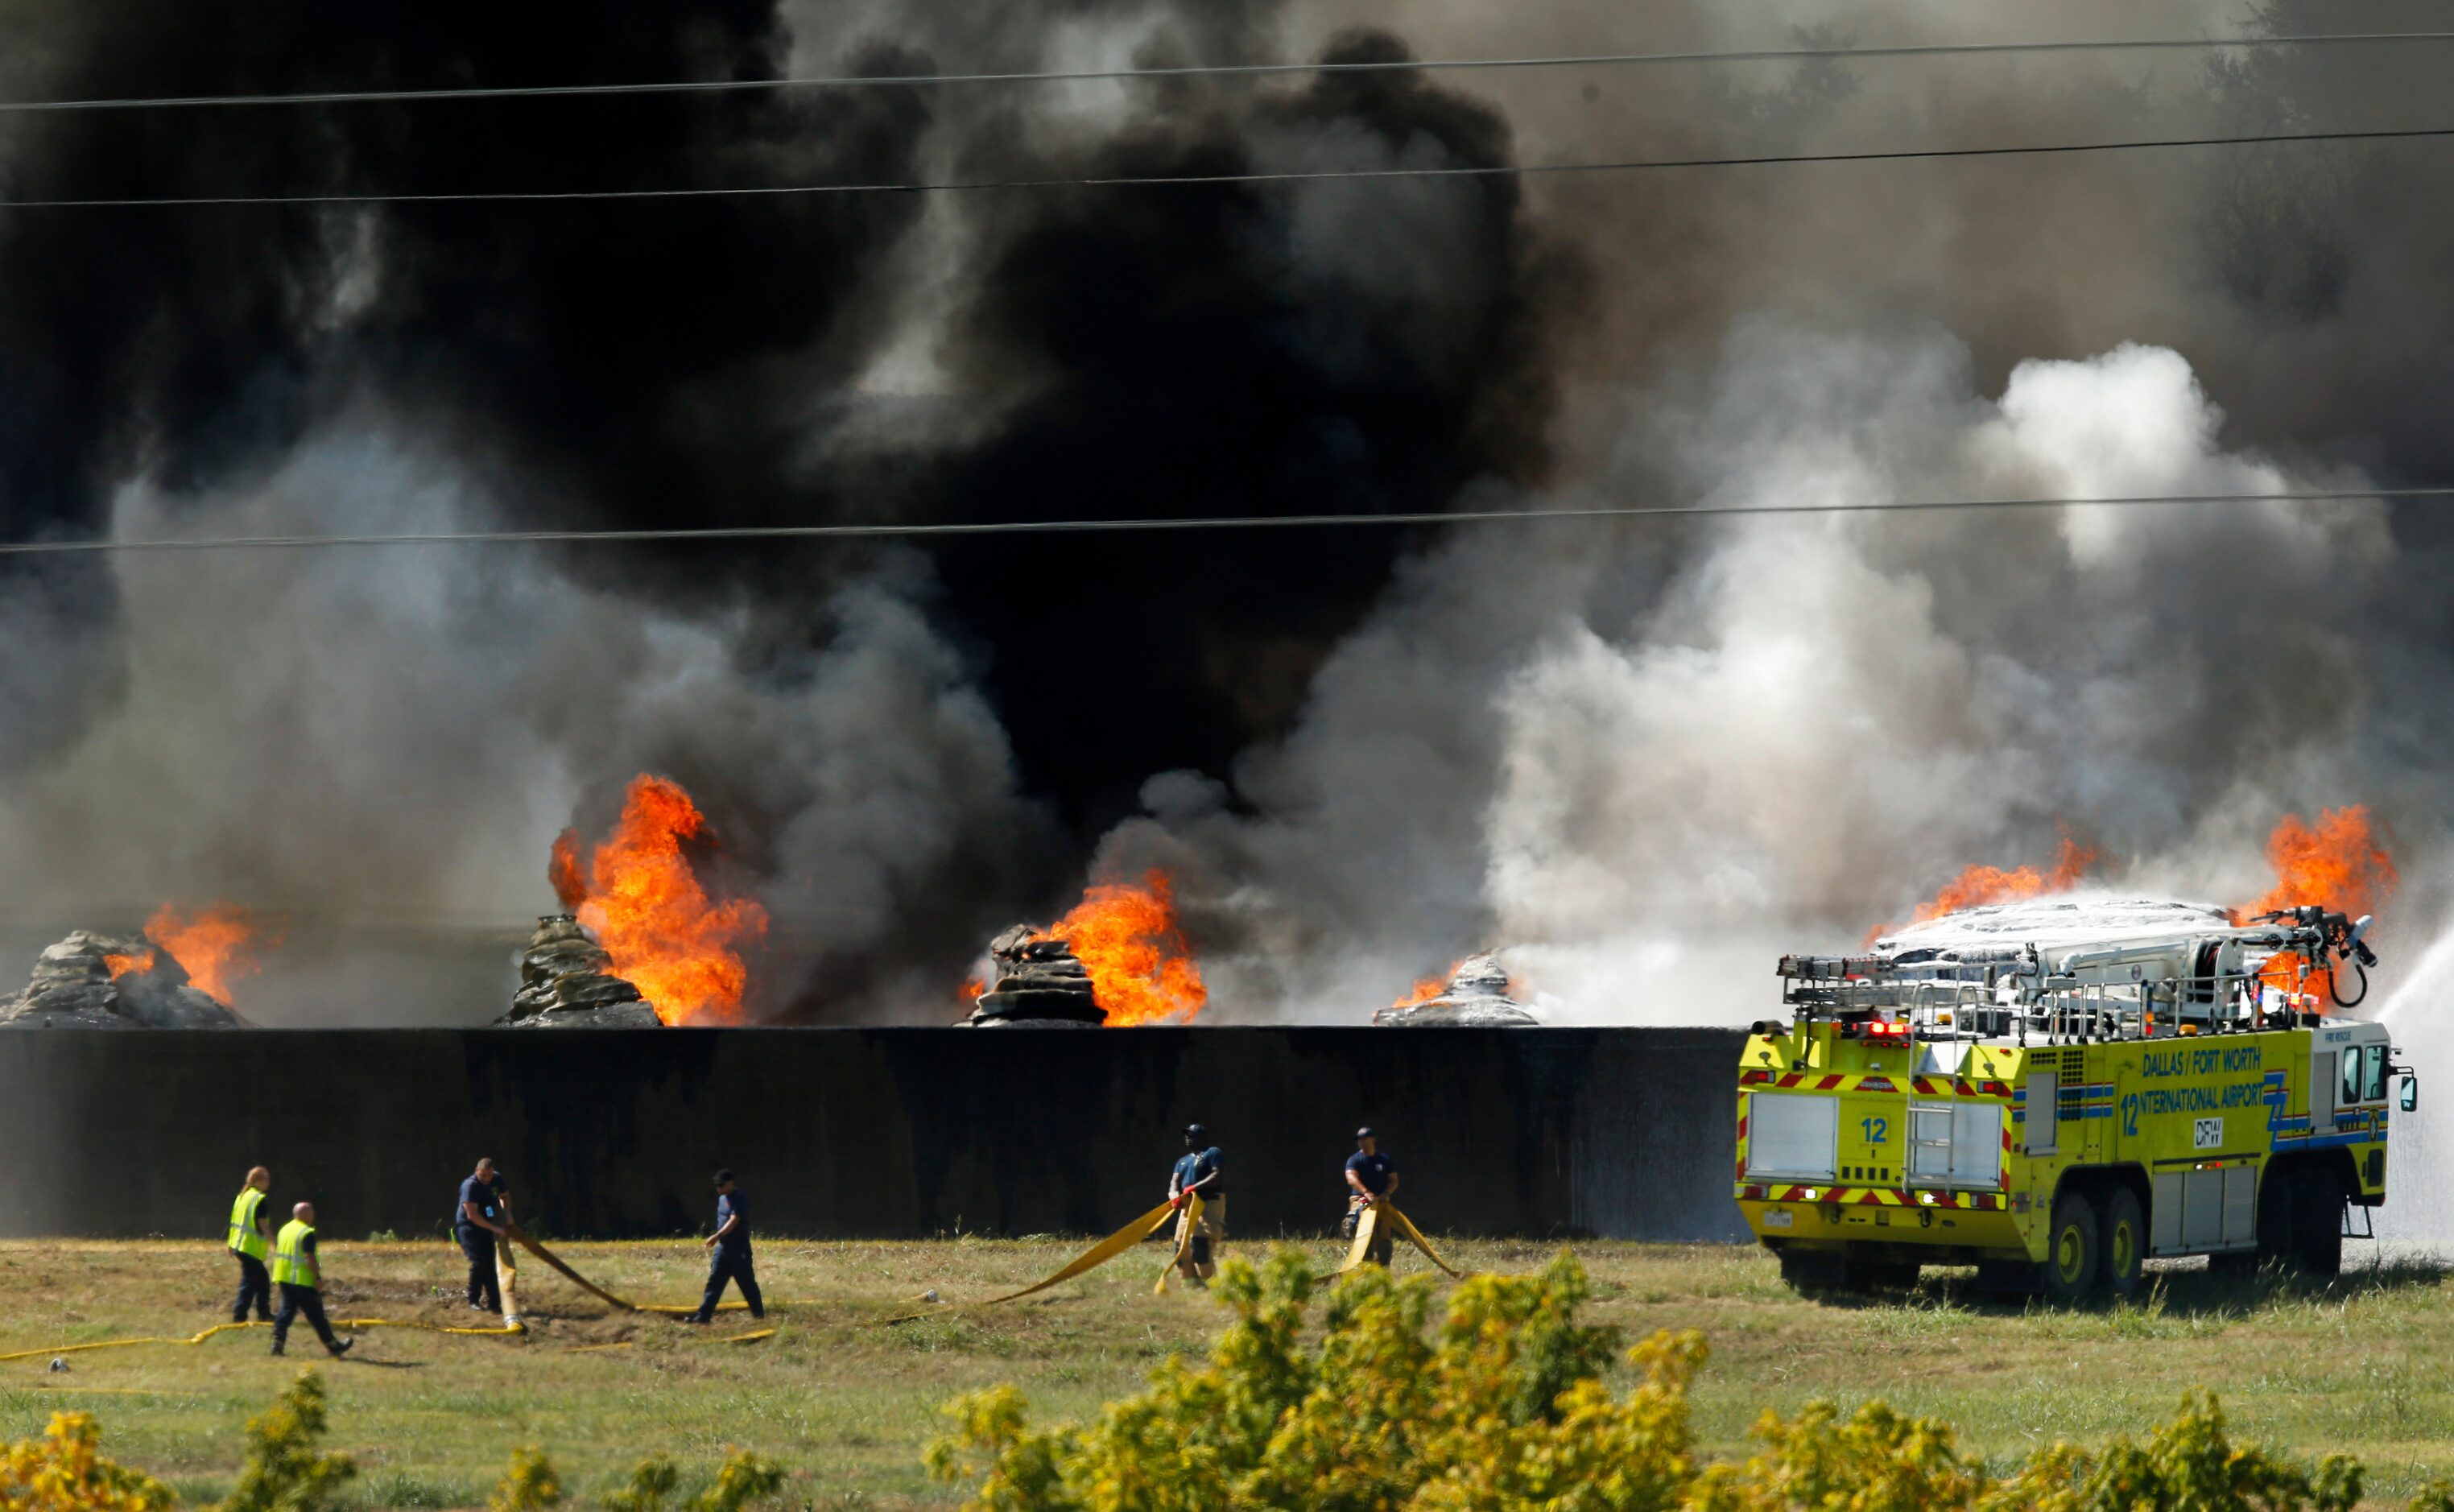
point(529, 1483)
point(64, 1471)
point(743, 1479)
point(1502, 1408)
point(283, 1472)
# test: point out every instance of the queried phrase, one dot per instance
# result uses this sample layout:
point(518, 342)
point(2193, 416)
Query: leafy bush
point(529, 1483)
point(283, 1471)
point(744, 1477)
point(64, 1471)
point(1503, 1410)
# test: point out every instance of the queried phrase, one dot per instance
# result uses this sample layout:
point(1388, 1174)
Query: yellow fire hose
point(503, 1266)
point(507, 1274)
point(1149, 1222)
point(1367, 1226)
point(1186, 1231)
point(1090, 1259)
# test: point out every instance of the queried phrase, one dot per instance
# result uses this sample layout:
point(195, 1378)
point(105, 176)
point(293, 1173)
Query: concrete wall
point(868, 1133)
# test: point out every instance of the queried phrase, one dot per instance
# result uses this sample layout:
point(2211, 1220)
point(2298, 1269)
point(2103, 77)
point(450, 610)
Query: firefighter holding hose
point(1198, 1174)
point(482, 1216)
point(1371, 1179)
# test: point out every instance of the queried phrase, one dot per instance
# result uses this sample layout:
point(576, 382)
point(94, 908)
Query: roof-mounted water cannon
point(2348, 938)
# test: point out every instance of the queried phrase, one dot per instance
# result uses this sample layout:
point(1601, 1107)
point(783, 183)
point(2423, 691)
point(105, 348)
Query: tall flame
point(217, 945)
point(640, 895)
point(1127, 937)
point(2335, 863)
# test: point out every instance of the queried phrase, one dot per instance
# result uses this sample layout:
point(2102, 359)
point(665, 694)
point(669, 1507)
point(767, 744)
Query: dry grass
point(847, 1399)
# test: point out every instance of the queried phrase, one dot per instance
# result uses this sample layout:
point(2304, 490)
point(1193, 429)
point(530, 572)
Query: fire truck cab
point(2057, 1091)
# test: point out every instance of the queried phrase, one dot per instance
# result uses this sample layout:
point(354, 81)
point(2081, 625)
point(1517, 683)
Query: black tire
point(2278, 1230)
point(1882, 1276)
point(1809, 1273)
point(2317, 1220)
point(2073, 1250)
point(2125, 1244)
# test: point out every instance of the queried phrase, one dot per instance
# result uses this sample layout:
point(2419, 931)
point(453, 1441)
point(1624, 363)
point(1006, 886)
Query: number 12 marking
point(1877, 1131)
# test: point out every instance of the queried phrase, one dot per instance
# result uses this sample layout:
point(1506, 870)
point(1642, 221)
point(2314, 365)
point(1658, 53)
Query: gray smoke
point(1642, 757)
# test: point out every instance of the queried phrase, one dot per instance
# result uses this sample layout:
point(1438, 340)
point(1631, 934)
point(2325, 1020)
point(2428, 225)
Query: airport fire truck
point(2056, 1092)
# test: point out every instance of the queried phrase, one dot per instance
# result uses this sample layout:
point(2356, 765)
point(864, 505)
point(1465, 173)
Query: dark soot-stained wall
point(842, 1133)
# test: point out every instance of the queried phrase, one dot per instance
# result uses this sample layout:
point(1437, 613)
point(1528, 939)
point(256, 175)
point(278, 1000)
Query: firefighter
point(1370, 1181)
point(483, 1216)
point(1200, 1173)
point(300, 1276)
point(727, 1253)
point(249, 1246)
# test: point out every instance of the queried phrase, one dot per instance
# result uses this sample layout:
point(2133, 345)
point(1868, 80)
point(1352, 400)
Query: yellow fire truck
point(2056, 1098)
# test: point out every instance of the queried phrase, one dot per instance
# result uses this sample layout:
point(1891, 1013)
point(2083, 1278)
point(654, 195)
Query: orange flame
point(217, 945)
point(1128, 939)
point(2335, 863)
point(1980, 885)
point(645, 902)
point(121, 965)
point(1424, 991)
point(973, 988)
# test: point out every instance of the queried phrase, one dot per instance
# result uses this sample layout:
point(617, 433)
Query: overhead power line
point(1216, 71)
point(1221, 522)
point(1284, 176)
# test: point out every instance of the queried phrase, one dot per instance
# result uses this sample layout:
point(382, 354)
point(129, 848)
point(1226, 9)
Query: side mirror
point(2410, 1093)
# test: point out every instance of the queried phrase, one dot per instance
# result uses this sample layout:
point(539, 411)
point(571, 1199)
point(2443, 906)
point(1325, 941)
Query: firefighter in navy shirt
point(1371, 1179)
point(727, 1252)
point(483, 1215)
point(1198, 1174)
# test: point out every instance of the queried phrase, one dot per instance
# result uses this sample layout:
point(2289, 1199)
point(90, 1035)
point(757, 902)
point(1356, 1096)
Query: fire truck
point(2057, 1097)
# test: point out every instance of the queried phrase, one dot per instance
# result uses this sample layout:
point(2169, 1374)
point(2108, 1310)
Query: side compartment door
point(1793, 1134)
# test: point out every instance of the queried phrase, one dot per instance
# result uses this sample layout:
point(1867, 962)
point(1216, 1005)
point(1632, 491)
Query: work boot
point(479, 1307)
point(277, 1349)
point(343, 1347)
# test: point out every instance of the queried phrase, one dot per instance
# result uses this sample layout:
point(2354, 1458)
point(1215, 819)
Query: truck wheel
point(2277, 1236)
point(2125, 1242)
point(2071, 1248)
point(2317, 1220)
point(1882, 1276)
point(1809, 1272)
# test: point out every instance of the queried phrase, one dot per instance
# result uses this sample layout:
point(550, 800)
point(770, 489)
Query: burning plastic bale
point(108, 981)
point(1040, 983)
point(567, 982)
point(1476, 995)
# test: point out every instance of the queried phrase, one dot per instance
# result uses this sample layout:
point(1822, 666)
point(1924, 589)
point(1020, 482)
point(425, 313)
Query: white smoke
point(1646, 760)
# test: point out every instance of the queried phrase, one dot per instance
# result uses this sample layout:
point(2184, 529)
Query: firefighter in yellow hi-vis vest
point(300, 1276)
point(249, 1246)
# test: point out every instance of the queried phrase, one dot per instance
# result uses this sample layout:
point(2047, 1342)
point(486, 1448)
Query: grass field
point(2364, 1364)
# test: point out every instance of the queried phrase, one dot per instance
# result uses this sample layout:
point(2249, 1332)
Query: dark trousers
point(297, 1300)
point(254, 1289)
point(485, 1287)
point(729, 1264)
